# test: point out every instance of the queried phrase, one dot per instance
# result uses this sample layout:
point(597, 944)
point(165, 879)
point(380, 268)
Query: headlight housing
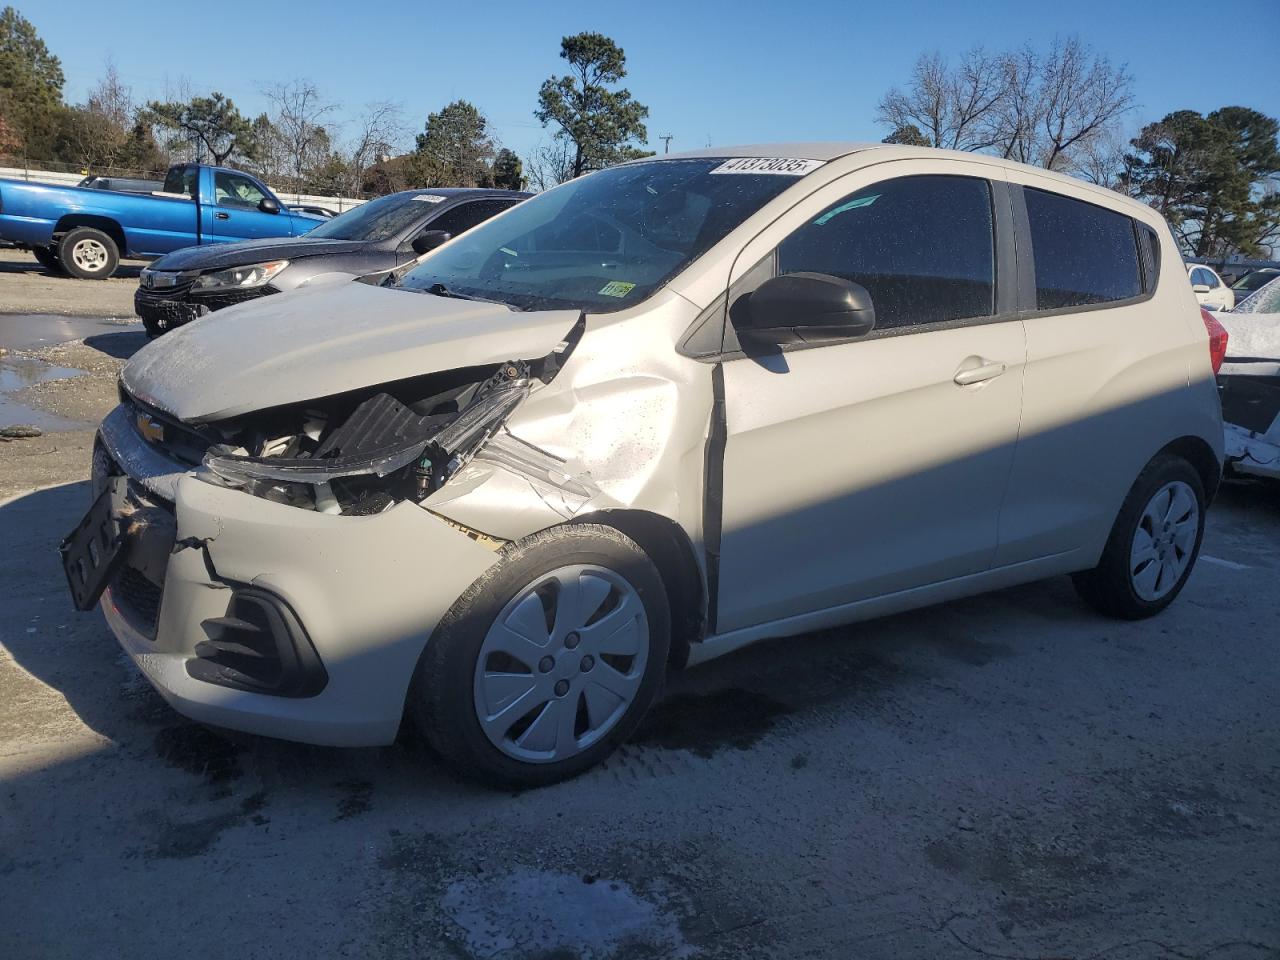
point(240, 278)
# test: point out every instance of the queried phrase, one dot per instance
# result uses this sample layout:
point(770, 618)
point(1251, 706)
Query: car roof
point(826, 151)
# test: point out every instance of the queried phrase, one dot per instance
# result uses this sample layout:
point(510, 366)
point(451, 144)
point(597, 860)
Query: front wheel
point(88, 254)
point(548, 662)
point(47, 258)
point(1153, 545)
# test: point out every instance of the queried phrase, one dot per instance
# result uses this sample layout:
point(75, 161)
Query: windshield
point(1255, 280)
point(379, 219)
point(1264, 300)
point(602, 242)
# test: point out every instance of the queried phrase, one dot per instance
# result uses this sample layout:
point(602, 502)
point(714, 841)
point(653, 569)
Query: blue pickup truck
point(85, 232)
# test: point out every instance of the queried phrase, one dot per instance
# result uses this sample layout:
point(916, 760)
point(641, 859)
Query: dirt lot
point(1008, 776)
point(27, 287)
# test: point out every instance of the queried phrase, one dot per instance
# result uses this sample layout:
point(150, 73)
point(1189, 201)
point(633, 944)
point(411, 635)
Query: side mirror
point(807, 308)
point(1200, 288)
point(428, 240)
point(269, 205)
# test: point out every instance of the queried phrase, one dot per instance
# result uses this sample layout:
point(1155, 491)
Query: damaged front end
point(360, 454)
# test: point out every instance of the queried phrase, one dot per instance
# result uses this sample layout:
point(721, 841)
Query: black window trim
point(1027, 262)
point(1005, 261)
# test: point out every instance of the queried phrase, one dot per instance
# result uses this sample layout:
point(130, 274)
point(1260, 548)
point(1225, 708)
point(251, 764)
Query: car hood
point(293, 347)
point(219, 256)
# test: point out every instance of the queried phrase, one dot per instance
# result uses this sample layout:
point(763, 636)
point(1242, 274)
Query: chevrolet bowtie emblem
point(151, 429)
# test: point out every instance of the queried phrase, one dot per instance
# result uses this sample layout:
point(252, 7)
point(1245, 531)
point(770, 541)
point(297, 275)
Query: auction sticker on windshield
point(787, 166)
point(429, 198)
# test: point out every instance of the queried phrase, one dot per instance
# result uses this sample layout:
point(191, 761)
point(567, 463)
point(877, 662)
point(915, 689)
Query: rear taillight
point(1217, 339)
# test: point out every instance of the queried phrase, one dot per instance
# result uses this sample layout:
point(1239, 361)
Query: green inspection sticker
point(616, 288)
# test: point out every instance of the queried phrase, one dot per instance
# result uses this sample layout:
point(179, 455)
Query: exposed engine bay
point(361, 452)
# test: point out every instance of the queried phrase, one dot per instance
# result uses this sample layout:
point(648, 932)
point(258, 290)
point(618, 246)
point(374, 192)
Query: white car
point(639, 421)
point(1210, 289)
point(1249, 384)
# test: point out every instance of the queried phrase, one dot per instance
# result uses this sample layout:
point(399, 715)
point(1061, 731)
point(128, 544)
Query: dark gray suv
point(378, 235)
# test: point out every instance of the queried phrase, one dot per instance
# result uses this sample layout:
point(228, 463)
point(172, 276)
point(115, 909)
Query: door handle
point(220, 215)
point(984, 371)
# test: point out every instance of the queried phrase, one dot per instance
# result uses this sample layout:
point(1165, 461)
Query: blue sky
point(728, 72)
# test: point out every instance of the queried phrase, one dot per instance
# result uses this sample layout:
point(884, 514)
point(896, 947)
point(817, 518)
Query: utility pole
point(666, 139)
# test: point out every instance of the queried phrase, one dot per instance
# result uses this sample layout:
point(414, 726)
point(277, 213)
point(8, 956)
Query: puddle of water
point(18, 373)
point(539, 913)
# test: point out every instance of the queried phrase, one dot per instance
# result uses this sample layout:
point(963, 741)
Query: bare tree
point(381, 127)
point(1044, 110)
point(1083, 95)
point(549, 164)
point(1103, 160)
point(954, 107)
point(298, 122)
point(112, 100)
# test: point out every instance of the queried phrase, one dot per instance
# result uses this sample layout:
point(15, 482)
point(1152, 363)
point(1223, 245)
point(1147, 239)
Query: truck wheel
point(47, 258)
point(88, 254)
point(548, 661)
point(1153, 544)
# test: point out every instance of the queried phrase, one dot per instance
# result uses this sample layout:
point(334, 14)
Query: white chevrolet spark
point(641, 420)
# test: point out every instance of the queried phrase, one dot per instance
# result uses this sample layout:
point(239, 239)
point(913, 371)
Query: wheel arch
point(108, 226)
point(1197, 452)
point(672, 552)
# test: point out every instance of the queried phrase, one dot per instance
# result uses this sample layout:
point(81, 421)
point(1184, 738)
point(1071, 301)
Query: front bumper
point(368, 591)
point(163, 310)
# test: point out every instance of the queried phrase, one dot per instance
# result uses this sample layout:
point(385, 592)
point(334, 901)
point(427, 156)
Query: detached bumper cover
point(368, 591)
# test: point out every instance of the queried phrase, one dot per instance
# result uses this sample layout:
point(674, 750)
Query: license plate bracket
point(94, 550)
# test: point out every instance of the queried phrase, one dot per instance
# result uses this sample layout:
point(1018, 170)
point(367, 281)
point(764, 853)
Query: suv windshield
point(602, 242)
point(379, 219)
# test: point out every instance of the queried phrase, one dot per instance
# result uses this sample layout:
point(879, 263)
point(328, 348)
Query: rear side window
point(921, 246)
point(1084, 254)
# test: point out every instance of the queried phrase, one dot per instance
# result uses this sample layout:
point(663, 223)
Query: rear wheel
point(88, 254)
point(1153, 545)
point(548, 662)
point(47, 258)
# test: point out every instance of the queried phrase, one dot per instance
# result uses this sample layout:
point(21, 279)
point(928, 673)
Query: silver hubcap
point(1163, 542)
point(89, 255)
point(561, 663)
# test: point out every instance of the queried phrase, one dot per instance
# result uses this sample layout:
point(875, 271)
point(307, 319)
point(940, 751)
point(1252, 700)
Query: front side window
point(463, 217)
point(921, 246)
point(236, 190)
point(602, 242)
point(1084, 254)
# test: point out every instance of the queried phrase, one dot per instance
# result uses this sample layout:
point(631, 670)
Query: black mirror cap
point(269, 205)
point(808, 308)
point(428, 240)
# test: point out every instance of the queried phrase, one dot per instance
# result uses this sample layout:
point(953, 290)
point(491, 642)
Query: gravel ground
point(81, 389)
point(25, 286)
point(1007, 776)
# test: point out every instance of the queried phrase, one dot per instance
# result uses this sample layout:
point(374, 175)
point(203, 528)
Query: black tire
point(47, 258)
point(441, 696)
point(92, 240)
point(1109, 586)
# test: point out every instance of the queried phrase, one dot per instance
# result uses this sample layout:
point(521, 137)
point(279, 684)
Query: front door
point(236, 215)
point(862, 468)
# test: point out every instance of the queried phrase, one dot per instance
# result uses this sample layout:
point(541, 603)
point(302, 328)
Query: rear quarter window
point(1084, 254)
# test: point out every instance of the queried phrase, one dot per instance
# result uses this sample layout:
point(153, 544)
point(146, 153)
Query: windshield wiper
point(440, 290)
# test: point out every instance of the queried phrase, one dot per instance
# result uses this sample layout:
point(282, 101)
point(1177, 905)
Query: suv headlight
point(253, 275)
